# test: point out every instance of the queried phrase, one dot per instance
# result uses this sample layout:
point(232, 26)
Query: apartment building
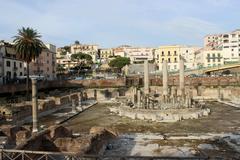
point(105, 54)
point(138, 54)
point(169, 53)
point(229, 43)
point(209, 58)
point(45, 64)
point(172, 53)
point(120, 50)
point(90, 49)
point(10, 66)
point(188, 54)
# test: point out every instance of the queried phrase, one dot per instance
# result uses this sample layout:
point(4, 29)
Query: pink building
point(45, 64)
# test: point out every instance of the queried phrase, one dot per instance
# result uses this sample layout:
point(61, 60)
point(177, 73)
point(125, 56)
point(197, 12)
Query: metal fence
point(38, 155)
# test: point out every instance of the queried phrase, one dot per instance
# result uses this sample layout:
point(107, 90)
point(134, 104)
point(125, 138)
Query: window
point(8, 64)
point(175, 60)
point(162, 59)
point(232, 49)
point(186, 51)
point(47, 62)
point(47, 69)
point(162, 53)
point(8, 74)
point(20, 65)
point(47, 54)
point(20, 73)
point(208, 55)
point(219, 55)
point(168, 53)
point(14, 64)
point(225, 36)
point(169, 60)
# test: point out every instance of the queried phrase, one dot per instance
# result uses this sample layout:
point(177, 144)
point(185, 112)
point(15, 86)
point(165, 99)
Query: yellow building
point(105, 54)
point(169, 53)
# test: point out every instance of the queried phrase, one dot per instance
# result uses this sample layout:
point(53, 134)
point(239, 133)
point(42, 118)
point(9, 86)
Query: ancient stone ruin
point(173, 104)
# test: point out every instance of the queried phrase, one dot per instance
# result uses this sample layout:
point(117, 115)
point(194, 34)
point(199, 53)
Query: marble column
point(126, 70)
point(165, 80)
point(34, 106)
point(74, 106)
point(146, 77)
point(133, 95)
point(181, 77)
point(139, 98)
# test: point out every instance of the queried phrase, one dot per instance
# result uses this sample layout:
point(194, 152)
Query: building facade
point(172, 54)
point(229, 43)
point(139, 54)
point(89, 49)
point(209, 58)
point(45, 64)
point(11, 67)
point(105, 54)
point(188, 54)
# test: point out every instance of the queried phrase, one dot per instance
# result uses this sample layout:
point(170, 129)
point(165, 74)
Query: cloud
point(111, 23)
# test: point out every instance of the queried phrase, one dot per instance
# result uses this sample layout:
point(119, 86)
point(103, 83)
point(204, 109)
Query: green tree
point(82, 60)
point(28, 46)
point(119, 62)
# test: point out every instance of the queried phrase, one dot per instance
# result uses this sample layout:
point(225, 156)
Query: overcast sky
point(110, 23)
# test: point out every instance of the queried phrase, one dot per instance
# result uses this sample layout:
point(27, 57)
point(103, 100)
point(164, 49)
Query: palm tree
point(28, 46)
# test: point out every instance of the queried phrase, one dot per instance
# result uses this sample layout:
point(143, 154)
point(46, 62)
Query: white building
point(208, 58)
point(188, 53)
point(10, 67)
point(137, 54)
point(229, 43)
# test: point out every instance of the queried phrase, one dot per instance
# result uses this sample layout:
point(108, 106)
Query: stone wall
point(64, 84)
point(59, 138)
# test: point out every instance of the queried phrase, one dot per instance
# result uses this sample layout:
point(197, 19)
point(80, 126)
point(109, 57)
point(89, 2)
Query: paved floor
point(223, 118)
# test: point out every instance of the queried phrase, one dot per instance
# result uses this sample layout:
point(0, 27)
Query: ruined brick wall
point(62, 84)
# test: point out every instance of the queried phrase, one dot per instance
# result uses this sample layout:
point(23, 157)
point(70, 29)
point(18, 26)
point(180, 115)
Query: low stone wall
point(169, 115)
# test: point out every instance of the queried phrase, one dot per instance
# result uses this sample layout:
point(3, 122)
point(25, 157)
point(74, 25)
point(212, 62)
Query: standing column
point(146, 77)
point(165, 80)
point(139, 98)
point(34, 106)
point(181, 77)
point(126, 70)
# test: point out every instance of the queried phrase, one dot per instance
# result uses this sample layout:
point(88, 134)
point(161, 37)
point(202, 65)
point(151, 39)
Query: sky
point(111, 23)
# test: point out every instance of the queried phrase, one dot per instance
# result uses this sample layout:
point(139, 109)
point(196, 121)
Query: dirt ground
point(223, 118)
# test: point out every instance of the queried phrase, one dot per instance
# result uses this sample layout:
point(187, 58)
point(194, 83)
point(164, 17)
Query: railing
point(38, 155)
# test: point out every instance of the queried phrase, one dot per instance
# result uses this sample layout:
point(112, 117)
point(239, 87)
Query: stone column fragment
point(165, 80)
point(34, 106)
point(146, 78)
point(181, 77)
